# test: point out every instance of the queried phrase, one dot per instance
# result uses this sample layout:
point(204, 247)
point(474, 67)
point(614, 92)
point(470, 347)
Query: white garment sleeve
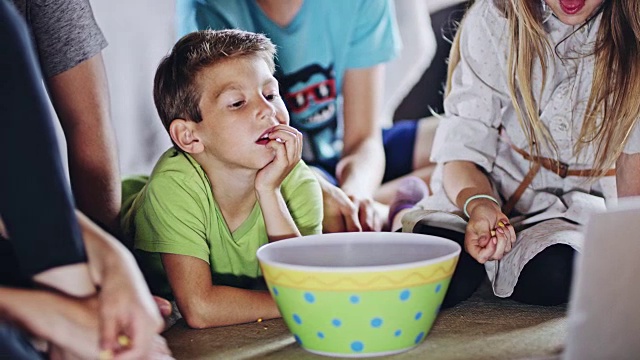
point(469, 129)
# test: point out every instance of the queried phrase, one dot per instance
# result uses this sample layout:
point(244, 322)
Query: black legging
point(544, 280)
point(35, 200)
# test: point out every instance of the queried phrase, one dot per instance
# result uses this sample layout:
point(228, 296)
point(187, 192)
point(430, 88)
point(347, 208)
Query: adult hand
point(125, 305)
point(59, 319)
point(286, 142)
point(76, 321)
point(127, 309)
point(489, 235)
point(69, 325)
point(340, 213)
point(368, 216)
point(74, 331)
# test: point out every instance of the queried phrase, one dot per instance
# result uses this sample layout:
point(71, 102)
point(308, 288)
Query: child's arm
point(462, 180)
point(628, 175)
point(205, 305)
point(287, 144)
point(277, 219)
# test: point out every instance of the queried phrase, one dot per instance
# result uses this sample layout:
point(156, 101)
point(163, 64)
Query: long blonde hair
point(615, 86)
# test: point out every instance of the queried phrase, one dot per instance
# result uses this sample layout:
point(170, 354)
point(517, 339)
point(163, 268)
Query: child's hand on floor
point(286, 143)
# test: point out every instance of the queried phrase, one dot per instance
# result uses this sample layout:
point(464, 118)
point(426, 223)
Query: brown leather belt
point(553, 165)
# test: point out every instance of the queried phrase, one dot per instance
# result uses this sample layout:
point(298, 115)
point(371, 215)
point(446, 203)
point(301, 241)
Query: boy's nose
point(267, 111)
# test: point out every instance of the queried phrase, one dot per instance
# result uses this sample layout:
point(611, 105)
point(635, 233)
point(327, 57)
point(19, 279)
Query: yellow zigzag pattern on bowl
point(382, 280)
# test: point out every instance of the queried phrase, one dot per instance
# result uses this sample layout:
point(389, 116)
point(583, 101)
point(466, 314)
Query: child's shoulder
point(177, 168)
point(484, 24)
point(176, 163)
point(488, 11)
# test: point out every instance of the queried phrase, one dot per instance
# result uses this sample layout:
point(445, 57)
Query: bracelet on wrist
point(478, 196)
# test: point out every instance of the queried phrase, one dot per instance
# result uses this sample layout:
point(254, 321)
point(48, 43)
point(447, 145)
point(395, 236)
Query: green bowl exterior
point(360, 323)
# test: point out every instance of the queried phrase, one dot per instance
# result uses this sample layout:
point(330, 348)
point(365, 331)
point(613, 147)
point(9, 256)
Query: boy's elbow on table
point(194, 311)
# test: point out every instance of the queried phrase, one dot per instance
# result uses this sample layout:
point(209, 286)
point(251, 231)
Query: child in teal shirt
point(233, 182)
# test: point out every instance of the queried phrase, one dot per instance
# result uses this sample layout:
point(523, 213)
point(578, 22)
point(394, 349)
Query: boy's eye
point(237, 104)
point(272, 97)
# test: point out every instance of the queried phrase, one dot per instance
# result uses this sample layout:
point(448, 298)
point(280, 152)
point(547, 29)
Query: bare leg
point(422, 166)
point(70, 279)
point(424, 142)
point(410, 191)
point(387, 191)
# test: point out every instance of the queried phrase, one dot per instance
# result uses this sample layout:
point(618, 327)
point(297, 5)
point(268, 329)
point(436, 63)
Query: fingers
point(126, 344)
point(370, 219)
point(500, 242)
point(340, 212)
point(287, 141)
point(506, 231)
point(512, 233)
point(340, 223)
point(138, 340)
point(351, 218)
point(485, 253)
point(509, 233)
point(136, 344)
point(108, 330)
point(163, 305)
point(485, 242)
point(480, 247)
point(127, 334)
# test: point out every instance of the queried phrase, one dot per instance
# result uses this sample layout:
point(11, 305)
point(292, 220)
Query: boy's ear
point(182, 133)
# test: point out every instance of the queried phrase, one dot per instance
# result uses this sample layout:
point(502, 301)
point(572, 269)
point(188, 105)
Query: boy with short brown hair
point(233, 181)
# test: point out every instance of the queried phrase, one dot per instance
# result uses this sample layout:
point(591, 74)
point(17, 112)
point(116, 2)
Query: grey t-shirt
point(65, 32)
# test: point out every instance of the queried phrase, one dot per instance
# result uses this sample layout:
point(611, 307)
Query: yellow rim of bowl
point(382, 280)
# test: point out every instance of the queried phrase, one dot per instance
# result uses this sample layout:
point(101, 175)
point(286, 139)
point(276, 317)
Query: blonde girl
point(540, 127)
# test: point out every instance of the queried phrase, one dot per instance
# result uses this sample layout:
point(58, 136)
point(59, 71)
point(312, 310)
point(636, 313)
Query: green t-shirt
point(174, 211)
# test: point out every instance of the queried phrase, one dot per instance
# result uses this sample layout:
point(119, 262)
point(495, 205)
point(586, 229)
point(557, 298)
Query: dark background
point(427, 93)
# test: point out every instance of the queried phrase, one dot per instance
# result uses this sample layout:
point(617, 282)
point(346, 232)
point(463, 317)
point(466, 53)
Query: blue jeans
point(15, 345)
point(398, 141)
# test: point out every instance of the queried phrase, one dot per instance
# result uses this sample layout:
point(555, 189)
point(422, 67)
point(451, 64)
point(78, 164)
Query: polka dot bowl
point(359, 294)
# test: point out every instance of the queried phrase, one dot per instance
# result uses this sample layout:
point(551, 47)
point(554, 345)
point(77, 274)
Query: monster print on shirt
point(310, 96)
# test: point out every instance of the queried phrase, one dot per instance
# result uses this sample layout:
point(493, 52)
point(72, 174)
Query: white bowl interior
point(341, 250)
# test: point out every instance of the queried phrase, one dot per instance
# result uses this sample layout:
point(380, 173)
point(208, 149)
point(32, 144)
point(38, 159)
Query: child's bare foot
point(410, 191)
